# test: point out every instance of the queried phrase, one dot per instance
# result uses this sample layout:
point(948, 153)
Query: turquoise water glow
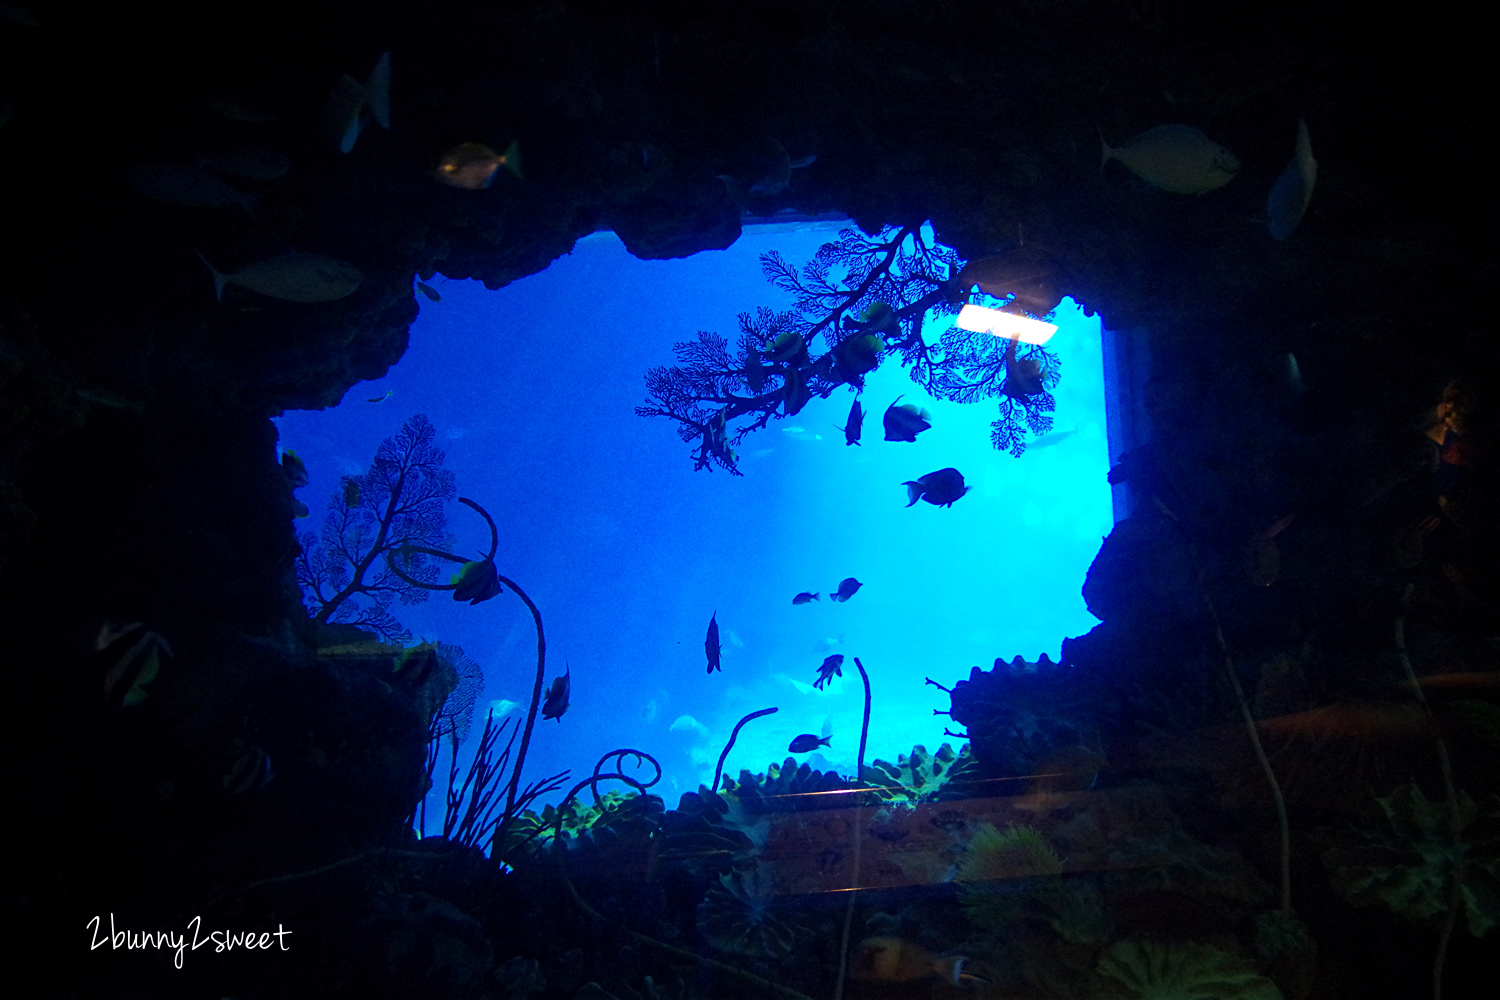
point(627, 551)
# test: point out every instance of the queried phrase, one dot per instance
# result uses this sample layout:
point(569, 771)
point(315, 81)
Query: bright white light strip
point(983, 319)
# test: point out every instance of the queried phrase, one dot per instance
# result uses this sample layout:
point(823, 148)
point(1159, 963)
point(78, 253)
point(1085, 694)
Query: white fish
point(735, 640)
point(292, 277)
point(1294, 374)
point(687, 722)
point(349, 100)
point(1054, 438)
point(183, 184)
point(1176, 158)
point(503, 706)
point(1293, 190)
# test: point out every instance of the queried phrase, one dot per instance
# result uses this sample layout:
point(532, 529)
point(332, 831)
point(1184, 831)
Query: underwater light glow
point(983, 319)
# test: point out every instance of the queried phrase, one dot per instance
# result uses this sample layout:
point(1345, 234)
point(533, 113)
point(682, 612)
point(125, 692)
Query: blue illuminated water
point(627, 551)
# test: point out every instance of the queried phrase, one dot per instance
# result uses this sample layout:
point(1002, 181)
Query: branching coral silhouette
point(376, 521)
point(863, 299)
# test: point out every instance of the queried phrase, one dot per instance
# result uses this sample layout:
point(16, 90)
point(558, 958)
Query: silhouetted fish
point(832, 667)
point(711, 644)
point(853, 424)
point(905, 422)
point(556, 702)
point(804, 597)
point(847, 588)
point(941, 488)
point(807, 742)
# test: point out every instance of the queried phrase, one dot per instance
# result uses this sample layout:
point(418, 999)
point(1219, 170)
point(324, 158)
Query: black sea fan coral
point(736, 916)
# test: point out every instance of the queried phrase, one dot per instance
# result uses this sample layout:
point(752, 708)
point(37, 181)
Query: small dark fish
point(556, 702)
point(477, 581)
point(711, 644)
point(804, 598)
point(383, 398)
point(847, 588)
point(941, 488)
point(905, 422)
point(807, 742)
point(1023, 378)
point(853, 424)
point(472, 165)
point(832, 667)
point(429, 291)
point(294, 468)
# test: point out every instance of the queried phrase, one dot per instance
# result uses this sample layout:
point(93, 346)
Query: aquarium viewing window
point(627, 550)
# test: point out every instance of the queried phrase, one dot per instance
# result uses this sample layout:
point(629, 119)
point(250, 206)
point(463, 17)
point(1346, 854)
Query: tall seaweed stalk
point(1455, 820)
point(513, 792)
point(857, 826)
point(1227, 659)
point(719, 770)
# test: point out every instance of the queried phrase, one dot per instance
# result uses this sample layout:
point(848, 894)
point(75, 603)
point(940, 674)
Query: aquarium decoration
point(1137, 969)
point(865, 298)
point(919, 776)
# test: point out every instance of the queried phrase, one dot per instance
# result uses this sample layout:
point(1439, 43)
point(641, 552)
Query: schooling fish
point(807, 742)
point(292, 277)
point(556, 702)
point(1176, 158)
point(711, 644)
point(940, 488)
point(472, 165)
point(1293, 190)
point(896, 960)
point(847, 588)
point(905, 422)
point(804, 597)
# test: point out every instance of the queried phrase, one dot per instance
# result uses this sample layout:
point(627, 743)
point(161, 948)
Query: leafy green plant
point(1411, 858)
point(1179, 970)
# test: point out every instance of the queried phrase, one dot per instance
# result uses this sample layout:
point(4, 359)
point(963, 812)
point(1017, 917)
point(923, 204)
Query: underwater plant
point(375, 523)
point(1014, 874)
point(867, 298)
point(919, 776)
point(1137, 969)
point(737, 915)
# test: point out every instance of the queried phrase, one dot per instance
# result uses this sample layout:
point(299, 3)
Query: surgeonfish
point(1293, 190)
point(853, 425)
point(292, 277)
point(905, 422)
point(940, 488)
point(187, 185)
point(472, 165)
point(556, 702)
point(349, 101)
point(806, 597)
point(847, 588)
point(711, 644)
point(294, 469)
point(897, 960)
point(429, 291)
point(251, 163)
point(807, 742)
point(1176, 158)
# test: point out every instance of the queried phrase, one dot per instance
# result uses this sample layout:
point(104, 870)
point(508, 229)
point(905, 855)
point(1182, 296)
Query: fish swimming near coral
point(1023, 377)
point(807, 742)
point(940, 488)
point(429, 291)
point(382, 397)
point(1176, 158)
point(832, 667)
point(556, 702)
point(847, 588)
point(292, 277)
point(476, 581)
point(134, 654)
point(711, 644)
point(351, 491)
point(349, 102)
point(805, 597)
point(186, 185)
point(905, 422)
point(897, 960)
point(853, 425)
point(789, 348)
point(472, 165)
point(1292, 192)
point(294, 469)
point(855, 356)
point(796, 393)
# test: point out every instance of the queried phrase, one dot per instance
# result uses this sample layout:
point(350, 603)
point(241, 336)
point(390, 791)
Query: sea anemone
point(1012, 875)
point(736, 916)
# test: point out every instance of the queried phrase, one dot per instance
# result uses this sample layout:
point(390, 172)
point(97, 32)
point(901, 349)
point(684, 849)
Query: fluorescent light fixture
point(983, 319)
